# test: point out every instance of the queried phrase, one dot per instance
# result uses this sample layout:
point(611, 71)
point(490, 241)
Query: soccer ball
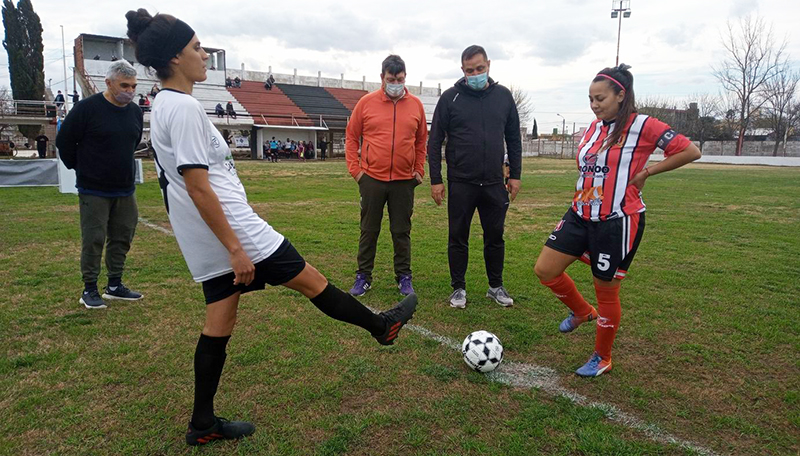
point(482, 351)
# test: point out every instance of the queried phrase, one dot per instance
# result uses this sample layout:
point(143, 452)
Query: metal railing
point(29, 108)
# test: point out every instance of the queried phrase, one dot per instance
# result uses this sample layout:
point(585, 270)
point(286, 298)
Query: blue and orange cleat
point(570, 323)
point(595, 367)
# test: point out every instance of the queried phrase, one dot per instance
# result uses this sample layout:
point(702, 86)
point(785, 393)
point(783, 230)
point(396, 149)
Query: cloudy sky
point(550, 49)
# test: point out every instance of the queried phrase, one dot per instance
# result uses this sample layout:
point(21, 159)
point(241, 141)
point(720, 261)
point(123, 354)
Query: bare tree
point(524, 104)
point(667, 110)
point(780, 93)
point(703, 110)
point(6, 108)
point(753, 59)
point(792, 120)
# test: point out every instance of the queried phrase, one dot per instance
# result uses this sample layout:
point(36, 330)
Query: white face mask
point(394, 90)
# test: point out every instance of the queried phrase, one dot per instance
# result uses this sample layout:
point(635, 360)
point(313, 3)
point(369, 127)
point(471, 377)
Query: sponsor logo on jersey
point(215, 142)
point(589, 197)
point(590, 168)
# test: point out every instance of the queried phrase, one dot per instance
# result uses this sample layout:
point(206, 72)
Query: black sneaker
point(121, 292)
point(396, 317)
point(92, 300)
point(221, 430)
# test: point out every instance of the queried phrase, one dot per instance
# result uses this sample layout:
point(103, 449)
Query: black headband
point(179, 36)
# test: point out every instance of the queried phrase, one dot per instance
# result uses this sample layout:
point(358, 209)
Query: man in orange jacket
point(385, 151)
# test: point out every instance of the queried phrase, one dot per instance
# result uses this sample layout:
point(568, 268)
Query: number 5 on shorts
point(602, 262)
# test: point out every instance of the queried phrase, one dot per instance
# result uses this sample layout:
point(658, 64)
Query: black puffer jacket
point(475, 123)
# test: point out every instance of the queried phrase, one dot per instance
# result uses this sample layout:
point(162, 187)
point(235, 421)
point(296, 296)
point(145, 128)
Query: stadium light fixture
point(617, 7)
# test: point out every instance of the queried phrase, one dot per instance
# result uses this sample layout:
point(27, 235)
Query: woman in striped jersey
point(604, 225)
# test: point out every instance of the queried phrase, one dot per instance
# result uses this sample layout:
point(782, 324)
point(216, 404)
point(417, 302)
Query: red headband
point(612, 79)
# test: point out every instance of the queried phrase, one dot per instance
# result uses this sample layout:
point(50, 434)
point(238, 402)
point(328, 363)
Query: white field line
point(149, 224)
point(521, 375)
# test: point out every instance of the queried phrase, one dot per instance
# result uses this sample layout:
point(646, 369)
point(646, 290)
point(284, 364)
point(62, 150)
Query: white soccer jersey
point(183, 137)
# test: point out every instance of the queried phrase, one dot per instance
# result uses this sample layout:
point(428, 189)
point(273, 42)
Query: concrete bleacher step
point(273, 105)
point(315, 100)
point(207, 94)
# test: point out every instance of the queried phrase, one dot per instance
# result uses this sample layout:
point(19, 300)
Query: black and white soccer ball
point(482, 351)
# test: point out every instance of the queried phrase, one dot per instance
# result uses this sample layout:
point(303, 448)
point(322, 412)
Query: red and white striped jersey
point(603, 191)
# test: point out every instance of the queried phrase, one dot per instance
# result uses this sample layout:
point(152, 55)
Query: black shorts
point(608, 247)
point(282, 266)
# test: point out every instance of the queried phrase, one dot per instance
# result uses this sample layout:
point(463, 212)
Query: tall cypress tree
point(23, 43)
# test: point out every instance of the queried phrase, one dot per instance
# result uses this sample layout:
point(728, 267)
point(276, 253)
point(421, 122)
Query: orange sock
point(564, 289)
point(610, 310)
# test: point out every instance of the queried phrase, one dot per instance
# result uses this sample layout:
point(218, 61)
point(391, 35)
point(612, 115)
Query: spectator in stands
point(229, 110)
point(301, 151)
point(390, 125)
point(114, 57)
point(154, 90)
point(237, 82)
point(75, 96)
point(97, 139)
point(59, 100)
point(96, 57)
point(41, 145)
point(228, 82)
point(310, 150)
point(323, 148)
point(219, 110)
point(144, 103)
point(269, 82)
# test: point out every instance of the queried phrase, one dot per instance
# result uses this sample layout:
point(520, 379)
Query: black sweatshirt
point(475, 123)
point(97, 140)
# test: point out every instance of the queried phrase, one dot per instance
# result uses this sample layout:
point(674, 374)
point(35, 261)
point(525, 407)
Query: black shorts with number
point(282, 266)
point(608, 247)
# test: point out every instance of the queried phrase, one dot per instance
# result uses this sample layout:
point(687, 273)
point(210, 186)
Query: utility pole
point(64, 58)
point(563, 127)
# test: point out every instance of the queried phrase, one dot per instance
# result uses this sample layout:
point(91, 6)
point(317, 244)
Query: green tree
point(23, 43)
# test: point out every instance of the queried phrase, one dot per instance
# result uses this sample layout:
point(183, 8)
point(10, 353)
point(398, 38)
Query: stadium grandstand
point(303, 108)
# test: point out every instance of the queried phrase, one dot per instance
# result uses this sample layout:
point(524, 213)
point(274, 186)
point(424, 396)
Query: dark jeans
point(42, 153)
point(110, 222)
point(375, 195)
point(492, 204)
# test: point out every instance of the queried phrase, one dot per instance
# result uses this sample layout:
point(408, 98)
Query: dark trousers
point(110, 222)
point(42, 152)
point(375, 194)
point(492, 204)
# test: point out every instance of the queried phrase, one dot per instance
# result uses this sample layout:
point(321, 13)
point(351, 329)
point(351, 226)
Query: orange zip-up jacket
point(393, 137)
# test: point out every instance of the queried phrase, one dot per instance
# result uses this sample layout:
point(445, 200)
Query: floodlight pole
point(620, 12)
point(619, 34)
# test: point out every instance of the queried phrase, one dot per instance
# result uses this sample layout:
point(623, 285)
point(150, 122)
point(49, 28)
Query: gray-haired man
point(97, 139)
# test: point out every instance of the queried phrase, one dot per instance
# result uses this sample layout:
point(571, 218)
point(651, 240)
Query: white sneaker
point(500, 296)
point(458, 299)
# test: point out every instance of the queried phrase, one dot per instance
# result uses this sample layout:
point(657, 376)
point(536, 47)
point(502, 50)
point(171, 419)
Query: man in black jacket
point(478, 118)
point(97, 139)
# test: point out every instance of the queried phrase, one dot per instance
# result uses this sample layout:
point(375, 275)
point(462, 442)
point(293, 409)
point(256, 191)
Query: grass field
point(708, 348)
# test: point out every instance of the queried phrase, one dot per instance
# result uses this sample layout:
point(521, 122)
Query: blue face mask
point(479, 81)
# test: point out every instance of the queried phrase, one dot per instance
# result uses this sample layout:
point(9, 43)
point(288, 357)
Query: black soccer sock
point(339, 305)
point(209, 357)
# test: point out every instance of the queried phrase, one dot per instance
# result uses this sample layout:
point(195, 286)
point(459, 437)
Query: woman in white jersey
point(606, 221)
point(227, 246)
